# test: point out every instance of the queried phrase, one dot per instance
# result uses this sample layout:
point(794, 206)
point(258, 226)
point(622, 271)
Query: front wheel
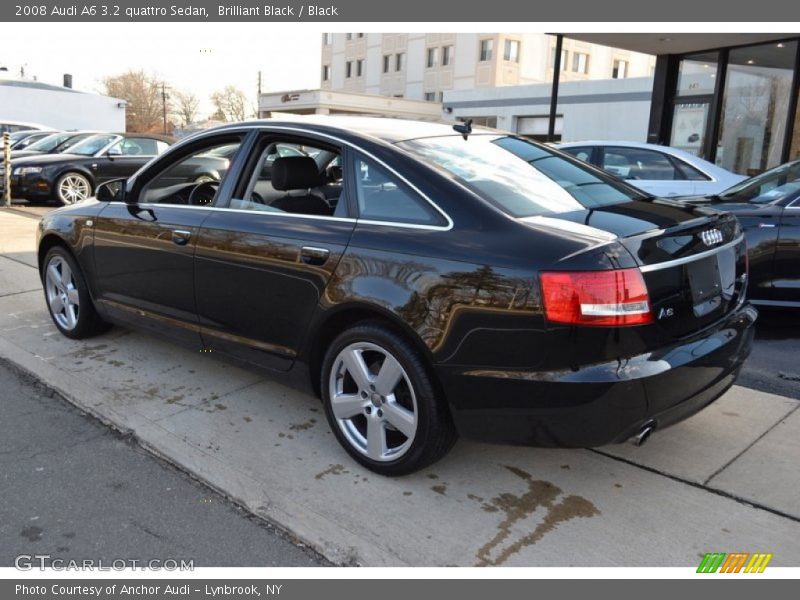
point(381, 402)
point(67, 296)
point(72, 188)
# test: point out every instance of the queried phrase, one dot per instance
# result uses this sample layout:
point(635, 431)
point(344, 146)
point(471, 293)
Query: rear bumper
point(601, 403)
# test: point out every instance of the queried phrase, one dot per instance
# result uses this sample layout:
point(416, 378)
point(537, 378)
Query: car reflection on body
point(424, 282)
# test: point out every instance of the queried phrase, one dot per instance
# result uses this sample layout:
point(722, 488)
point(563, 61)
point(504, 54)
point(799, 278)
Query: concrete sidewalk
point(725, 480)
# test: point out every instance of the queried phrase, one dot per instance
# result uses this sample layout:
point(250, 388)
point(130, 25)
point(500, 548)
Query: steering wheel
point(203, 193)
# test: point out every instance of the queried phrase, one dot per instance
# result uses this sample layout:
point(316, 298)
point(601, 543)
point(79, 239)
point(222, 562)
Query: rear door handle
point(312, 255)
point(181, 236)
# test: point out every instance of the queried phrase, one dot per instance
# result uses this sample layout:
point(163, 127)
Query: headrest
point(295, 173)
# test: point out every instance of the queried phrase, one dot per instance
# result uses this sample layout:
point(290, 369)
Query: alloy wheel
point(373, 401)
point(73, 188)
point(62, 294)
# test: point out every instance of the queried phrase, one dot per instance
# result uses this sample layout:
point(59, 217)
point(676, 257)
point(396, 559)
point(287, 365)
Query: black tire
point(434, 434)
point(87, 322)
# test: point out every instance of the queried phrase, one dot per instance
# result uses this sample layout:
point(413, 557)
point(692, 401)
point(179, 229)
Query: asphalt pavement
point(74, 489)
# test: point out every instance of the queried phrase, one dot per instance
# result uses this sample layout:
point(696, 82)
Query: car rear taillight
point(604, 298)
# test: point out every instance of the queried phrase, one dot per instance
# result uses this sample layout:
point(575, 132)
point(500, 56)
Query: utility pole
point(164, 97)
point(7, 169)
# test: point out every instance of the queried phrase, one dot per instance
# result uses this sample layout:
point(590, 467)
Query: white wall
point(60, 109)
point(610, 115)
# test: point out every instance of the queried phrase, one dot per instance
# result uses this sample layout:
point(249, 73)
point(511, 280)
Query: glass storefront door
point(755, 108)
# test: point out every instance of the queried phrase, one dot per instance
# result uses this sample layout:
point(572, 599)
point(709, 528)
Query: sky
point(196, 57)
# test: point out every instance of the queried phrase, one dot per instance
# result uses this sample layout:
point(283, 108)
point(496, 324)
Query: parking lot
point(725, 480)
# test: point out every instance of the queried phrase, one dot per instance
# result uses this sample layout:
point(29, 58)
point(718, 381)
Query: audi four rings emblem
point(711, 237)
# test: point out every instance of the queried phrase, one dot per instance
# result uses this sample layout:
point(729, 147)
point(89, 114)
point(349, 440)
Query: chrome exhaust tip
point(644, 434)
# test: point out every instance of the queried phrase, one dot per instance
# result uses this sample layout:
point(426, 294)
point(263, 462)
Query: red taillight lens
point(606, 298)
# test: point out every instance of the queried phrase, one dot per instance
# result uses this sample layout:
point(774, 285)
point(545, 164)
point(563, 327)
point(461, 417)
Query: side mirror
point(111, 191)
point(114, 151)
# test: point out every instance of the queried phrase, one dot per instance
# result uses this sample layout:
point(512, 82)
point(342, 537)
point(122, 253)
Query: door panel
point(257, 287)
point(144, 264)
point(787, 257)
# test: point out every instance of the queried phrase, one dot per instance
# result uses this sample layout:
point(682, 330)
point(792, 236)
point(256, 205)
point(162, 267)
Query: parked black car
point(20, 140)
point(73, 175)
point(53, 143)
point(768, 208)
point(423, 281)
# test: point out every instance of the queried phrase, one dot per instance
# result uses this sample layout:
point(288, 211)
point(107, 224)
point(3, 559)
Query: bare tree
point(185, 106)
point(142, 92)
point(230, 102)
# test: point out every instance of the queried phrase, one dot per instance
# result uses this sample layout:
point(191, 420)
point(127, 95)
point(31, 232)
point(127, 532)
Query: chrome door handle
point(181, 236)
point(312, 255)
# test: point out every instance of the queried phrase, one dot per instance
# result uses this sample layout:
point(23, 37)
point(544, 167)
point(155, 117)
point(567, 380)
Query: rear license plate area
point(705, 283)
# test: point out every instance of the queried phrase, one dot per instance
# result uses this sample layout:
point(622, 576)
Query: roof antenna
point(464, 128)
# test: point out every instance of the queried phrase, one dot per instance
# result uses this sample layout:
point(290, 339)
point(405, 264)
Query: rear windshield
point(521, 178)
point(774, 185)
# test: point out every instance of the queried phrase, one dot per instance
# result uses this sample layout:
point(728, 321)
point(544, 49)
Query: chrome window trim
point(294, 216)
point(687, 259)
point(338, 140)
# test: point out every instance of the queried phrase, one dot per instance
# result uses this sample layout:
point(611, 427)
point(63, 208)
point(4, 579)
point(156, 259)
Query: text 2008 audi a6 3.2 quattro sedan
point(425, 282)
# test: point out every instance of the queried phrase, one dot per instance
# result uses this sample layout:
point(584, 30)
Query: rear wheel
point(72, 188)
point(381, 403)
point(68, 297)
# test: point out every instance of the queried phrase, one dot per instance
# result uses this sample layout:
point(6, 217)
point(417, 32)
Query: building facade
point(59, 107)
point(423, 66)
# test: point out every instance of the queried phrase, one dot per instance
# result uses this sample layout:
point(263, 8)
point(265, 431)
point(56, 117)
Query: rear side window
point(383, 197)
point(639, 163)
point(689, 172)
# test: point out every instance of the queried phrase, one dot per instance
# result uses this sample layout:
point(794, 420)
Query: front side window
point(383, 197)
point(639, 163)
point(138, 147)
point(92, 144)
point(193, 179)
point(521, 178)
point(583, 153)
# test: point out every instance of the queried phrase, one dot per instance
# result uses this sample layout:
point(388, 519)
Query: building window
point(348, 69)
point(511, 51)
point(620, 69)
point(487, 46)
point(564, 59)
point(430, 96)
point(580, 62)
point(386, 60)
point(360, 67)
point(399, 61)
point(327, 39)
point(359, 35)
point(349, 36)
point(432, 58)
point(447, 55)
point(326, 72)
point(440, 96)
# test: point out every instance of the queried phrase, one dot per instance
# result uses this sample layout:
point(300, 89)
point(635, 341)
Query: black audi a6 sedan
point(72, 175)
point(425, 282)
point(768, 208)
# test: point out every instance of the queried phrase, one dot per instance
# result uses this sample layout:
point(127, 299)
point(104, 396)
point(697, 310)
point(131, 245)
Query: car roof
point(384, 128)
